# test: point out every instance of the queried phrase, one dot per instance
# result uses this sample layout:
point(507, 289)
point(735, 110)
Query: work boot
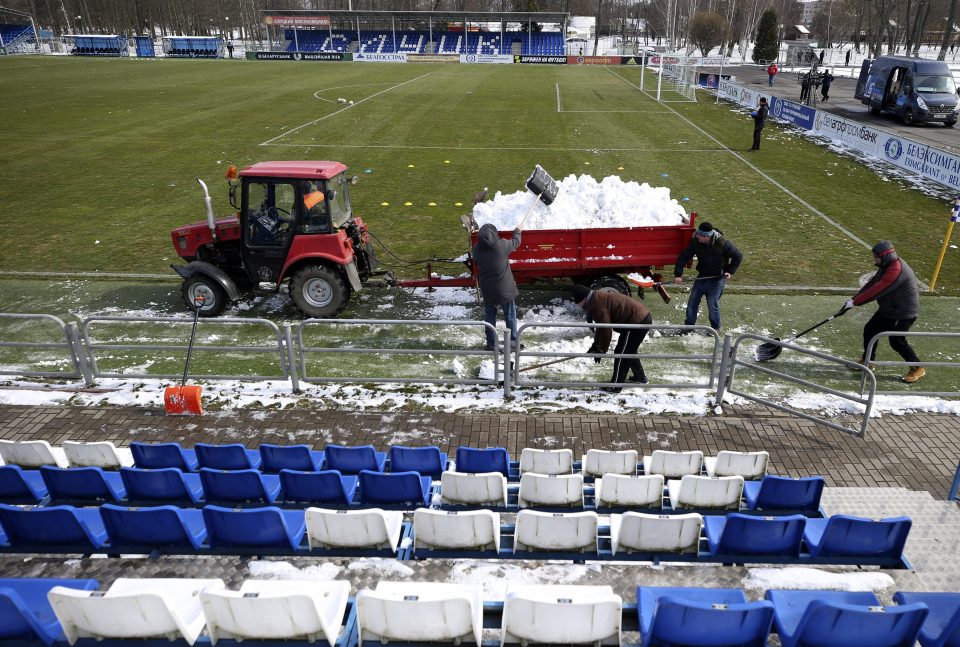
point(863, 362)
point(914, 374)
point(642, 379)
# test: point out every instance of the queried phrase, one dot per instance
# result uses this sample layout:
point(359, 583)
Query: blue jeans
point(712, 289)
point(490, 316)
point(772, 77)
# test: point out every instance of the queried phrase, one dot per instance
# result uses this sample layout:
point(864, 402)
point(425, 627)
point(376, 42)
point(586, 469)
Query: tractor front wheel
point(214, 296)
point(319, 292)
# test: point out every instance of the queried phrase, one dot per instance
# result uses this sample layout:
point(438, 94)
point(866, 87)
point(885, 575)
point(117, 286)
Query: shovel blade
point(183, 400)
point(543, 185)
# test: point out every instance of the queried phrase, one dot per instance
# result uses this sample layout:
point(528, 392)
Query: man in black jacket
point(759, 118)
point(717, 260)
point(491, 254)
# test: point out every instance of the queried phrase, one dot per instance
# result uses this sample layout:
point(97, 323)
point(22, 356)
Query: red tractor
point(293, 227)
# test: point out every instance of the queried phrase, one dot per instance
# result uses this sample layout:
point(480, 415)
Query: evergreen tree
point(767, 45)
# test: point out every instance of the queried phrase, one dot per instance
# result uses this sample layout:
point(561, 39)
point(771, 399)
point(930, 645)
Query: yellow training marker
point(408, 204)
point(586, 163)
point(410, 166)
point(384, 204)
point(619, 168)
point(446, 161)
point(458, 204)
point(431, 204)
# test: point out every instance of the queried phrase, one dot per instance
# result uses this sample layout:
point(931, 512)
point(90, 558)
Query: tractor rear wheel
point(214, 296)
point(319, 292)
point(611, 281)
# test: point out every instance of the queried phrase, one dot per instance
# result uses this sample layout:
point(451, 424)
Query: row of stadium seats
point(184, 52)
point(415, 42)
point(10, 33)
point(51, 610)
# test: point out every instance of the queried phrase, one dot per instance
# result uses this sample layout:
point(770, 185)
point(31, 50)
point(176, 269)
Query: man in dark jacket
point(491, 254)
point(611, 307)
point(894, 288)
point(717, 260)
point(759, 118)
point(825, 85)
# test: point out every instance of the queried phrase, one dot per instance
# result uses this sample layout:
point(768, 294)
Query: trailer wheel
point(611, 281)
point(214, 296)
point(319, 292)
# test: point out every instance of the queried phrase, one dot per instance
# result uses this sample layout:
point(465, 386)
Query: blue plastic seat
point(429, 461)
point(150, 456)
point(158, 527)
point(227, 457)
point(395, 488)
point(239, 486)
point(702, 617)
point(783, 493)
point(845, 536)
point(268, 527)
point(290, 457)
point(476, 461)
point(353, 460)
point(326, 486)
point(832, 618)
point(25, 612)
point(61, 526)
point(942, 626)
point(21, 486)
point(742, 534)
point(167, 484)
point(83, 484)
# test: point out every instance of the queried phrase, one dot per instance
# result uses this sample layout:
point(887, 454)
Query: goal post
point(676, 77)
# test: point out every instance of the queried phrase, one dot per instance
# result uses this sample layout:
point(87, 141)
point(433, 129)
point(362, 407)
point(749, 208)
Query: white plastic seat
point(370, 528)
point(485, 488)
point(133, 608)
point(673, 465)
point(276, 610)
point(619, 491)
point(655, 533)
point(540, 489)
point(722, 492)
point(31, 454)
point(100, 454)
point(460, 530)
point(598, 462)
point(564, 615)
point(546, 461)
point(420, 612)
point(574, 531)
point(752, 466)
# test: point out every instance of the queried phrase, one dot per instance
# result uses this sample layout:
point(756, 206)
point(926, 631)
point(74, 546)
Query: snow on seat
point(540, 489)
point(546, 461)
point(134, 608)
point(655, 533)
point(942, 626)
point(31, 454)
point(620, 491)
point(599, 462)
point(158, 455)
point(784, 493)
point(274, 458)
point(487, 488)
point(752, 466)
point(420, 612)
point(719, 492)
point(232, 456)
point(21, 486)
point(452, 530)
point(371, 528)
point(574, 531)
point(701, 616)
point(845, 536)
point(276, 610)
point(673, 465)
point(99, 454)
point(559, 614)
point(25, 612)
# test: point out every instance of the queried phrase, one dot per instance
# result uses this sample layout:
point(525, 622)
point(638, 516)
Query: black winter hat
point(580, 292)
point(706, 229)
point(885, 252)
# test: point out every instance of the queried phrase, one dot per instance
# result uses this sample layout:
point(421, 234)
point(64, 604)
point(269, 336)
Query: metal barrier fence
point(872, 344)
point(68, 344)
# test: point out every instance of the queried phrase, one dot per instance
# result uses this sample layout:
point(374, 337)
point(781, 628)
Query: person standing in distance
point(491, 254)
point(825, 85)
point(717, 261)
point(772, 70)
point(759, 118)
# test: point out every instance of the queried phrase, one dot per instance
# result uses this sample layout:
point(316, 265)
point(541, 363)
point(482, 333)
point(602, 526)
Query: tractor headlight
point(921, 103)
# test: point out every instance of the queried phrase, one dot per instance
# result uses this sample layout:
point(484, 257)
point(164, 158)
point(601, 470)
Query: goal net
point(674, 77)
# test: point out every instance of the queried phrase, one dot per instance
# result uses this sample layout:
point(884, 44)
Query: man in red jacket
point(611, 307)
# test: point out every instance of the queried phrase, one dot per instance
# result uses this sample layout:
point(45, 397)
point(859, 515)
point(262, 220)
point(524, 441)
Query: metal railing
point(66, 342)
point(871, 349)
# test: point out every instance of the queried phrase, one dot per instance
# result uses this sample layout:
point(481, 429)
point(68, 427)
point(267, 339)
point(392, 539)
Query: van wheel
point(908, 117)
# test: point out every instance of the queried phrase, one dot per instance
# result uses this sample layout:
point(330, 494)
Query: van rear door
point(861, 91)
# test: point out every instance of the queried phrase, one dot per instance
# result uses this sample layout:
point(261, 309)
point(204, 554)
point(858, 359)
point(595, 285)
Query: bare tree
point(706, 30)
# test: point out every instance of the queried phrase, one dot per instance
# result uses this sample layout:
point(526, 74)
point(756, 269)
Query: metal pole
point(946, 241)
point(292, 360)
point(660, 77)
point(359, 42)
point(296, 41)
point(719, 77)
point(393, 30)
point(80, 352)
point(430, 27)
point(507, 355)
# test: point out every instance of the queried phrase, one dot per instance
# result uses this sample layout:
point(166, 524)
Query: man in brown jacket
point(609, 306)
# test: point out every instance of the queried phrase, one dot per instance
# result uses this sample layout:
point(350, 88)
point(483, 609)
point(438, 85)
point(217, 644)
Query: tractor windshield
point(338, 200)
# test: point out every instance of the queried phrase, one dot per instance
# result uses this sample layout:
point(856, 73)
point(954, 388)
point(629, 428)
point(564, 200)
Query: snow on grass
point(815, 579)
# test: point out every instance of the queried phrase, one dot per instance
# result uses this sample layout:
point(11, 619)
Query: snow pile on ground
point(585, 203)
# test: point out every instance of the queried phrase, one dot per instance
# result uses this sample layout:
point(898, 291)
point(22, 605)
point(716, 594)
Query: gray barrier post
point(291, 359)
point(80, 352)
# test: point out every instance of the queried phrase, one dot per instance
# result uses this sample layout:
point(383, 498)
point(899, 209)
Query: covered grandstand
point(18, 32)
point(97, 45)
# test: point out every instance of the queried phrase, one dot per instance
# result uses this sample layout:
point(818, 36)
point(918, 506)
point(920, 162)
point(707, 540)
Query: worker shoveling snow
point(584, 203)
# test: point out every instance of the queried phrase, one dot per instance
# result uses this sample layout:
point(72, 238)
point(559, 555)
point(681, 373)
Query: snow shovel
point(655, 282)
point(185, 400)
point(545, 188)
point(769, 351)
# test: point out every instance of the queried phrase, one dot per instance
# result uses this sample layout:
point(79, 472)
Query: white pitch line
point(355, 104)
point(558, 97)
point(645, 112)
point(340, 87)
point(592, 149)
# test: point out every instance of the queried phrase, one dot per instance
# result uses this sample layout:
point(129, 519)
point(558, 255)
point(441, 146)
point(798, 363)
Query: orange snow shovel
point(185, 400)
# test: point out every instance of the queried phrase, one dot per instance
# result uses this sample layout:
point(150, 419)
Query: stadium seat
point(489, 488)
point(464, 530)
point(783, 493)
point(546, 461)
point(134, 608)
point(830, 618)
point(752, 466)
point(942, 626)
point(702, 617)
point(268, 527)
point(572, 531)
point(396, 488)
point(276, 610)
point(353, 460)
point(324, 487)
point(475, 461)
point(290, 457)
point(718, 493)
point(845, 536)
point(82, 485)
point(619, 491)
point(227, 457)
point(158, 455)
point(673, 465)
point(417, 612)
point(429, 461)
point(543, 490)
point(741, 534)
point(60, 526)
point(31, 454)
point(239, 486)
point(558, 614)
point(165, 484)
point(19, 486)
point(154, 527)
point(370, 528)
point(655, 533)
point(103, 454)
point(25, 612)
point(598, 462)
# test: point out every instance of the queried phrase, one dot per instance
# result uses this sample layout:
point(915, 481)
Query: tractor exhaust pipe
point(209, 204)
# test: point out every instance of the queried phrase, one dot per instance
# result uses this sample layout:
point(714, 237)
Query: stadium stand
point(418, 42)
point(18, 39)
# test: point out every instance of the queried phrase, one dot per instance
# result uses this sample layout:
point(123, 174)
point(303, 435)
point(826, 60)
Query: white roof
point(801, 29)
